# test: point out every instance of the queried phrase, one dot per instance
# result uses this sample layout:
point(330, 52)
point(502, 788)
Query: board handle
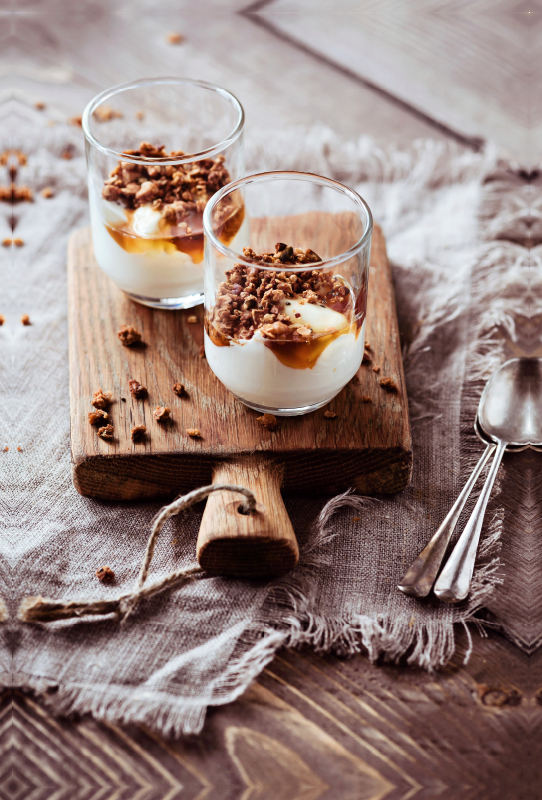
point(251, 545)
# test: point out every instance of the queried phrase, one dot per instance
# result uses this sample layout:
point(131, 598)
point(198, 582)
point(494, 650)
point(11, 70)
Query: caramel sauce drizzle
point(304, 355)
point(192, 243)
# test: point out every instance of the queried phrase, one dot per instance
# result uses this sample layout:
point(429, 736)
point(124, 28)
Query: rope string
point(43, 609)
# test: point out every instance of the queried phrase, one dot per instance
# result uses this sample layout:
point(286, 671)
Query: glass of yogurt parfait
point(285, 305)
point(157, 150)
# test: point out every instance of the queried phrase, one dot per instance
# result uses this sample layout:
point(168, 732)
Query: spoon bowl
point(508, 409)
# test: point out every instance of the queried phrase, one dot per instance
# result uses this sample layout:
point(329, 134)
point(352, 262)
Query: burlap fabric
point(204, 642)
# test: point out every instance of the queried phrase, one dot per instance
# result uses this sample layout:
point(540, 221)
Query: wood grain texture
point(264, 543)
point(368, 444)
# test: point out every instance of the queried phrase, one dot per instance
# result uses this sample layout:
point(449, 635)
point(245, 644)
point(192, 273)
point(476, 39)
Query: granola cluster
point(255, 299)
point(176, 191)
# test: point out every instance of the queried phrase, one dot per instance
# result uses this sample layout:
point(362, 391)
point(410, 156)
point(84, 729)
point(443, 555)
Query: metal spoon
point(510, 413)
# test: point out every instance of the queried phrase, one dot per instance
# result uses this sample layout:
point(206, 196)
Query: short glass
point(147, 195)
point(285, 320)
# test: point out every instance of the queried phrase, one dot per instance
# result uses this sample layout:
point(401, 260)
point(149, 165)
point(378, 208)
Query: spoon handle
point(420, 576)
point(454, 581)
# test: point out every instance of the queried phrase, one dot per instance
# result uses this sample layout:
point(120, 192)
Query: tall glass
point(157, 150)
point(285, 311)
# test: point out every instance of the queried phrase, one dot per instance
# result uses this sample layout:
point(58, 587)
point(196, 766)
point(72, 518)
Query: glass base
point(168, 303)
point(284, 412)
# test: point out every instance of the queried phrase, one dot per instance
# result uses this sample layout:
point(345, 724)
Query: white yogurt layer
point(253, 372)
point(314, 316)
point(154, 275)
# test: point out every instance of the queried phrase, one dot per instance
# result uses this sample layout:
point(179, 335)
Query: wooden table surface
point(314, 728)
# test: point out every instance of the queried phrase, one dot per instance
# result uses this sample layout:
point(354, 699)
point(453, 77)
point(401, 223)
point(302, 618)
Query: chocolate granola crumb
point(97, 416)
point(366, 399)
point(47, 192)
point(376, 369)
point(192, 319)
point(179, 390)
point(101, 399)
point(388, 384)
point(7, 242)
point(105, 574)
point(18, 242)
point(175, 38)
point(137, 389)
point(268, 421)
point(106, 432)
point(138, 432)
point(128, 335)
point(25, 319)
point(330, 414)
point(162, 413)
point(195, 433)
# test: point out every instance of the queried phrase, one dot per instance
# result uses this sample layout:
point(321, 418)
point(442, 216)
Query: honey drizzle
point(304, 355)
point(192, 244)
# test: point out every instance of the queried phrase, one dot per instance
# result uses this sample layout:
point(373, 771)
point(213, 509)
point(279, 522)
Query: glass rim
point(263, 177)
point(188, 157)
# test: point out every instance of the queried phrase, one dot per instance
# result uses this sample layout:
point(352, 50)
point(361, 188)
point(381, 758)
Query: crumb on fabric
point(39, 105)
point(6, 449)
point(175, 38)
point(25, 319)
point(47, 192)
point(138, 432)
point(268, 421)
point(67, 153)
point(140, 115)
point(7, 242)
point(20, 449)
point(128, 335)
point(2, 319)
point(105, 574)
point(18, 242)
point(78, 121)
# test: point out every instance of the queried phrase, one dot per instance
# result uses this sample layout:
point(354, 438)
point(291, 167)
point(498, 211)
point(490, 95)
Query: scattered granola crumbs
point(175, 38)
point(376, 369)
point(366, 399)
point(138, 432)
point(67, 153)
point(2, 319)
point(161, 413)
point(5, 449)
point(128, 335)
point(20, 449)
point(366, 359)
point(388, 384)
point(195, 433)
point(25, 319)
point(106, 113)
point(39, 105)
point(105, 574)
point(330, 414)
point(7, 242)
point(47, 192)
point(179, 390)
point(140, 115)
point(192, 319)
point(106, 432)
point(97, 416)
point(137, 389)
point(268, 421)
point(101, 399)
point(356, 519)
point(202, 351)
point(76, 121)
point(367, 346)
point(18, 242)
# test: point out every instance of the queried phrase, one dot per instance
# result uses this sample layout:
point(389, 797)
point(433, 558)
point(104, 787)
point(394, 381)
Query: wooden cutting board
point(367, 446)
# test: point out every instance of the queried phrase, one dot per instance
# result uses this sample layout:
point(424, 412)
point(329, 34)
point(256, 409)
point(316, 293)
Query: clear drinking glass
point(157, 150)
point(285, 320)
